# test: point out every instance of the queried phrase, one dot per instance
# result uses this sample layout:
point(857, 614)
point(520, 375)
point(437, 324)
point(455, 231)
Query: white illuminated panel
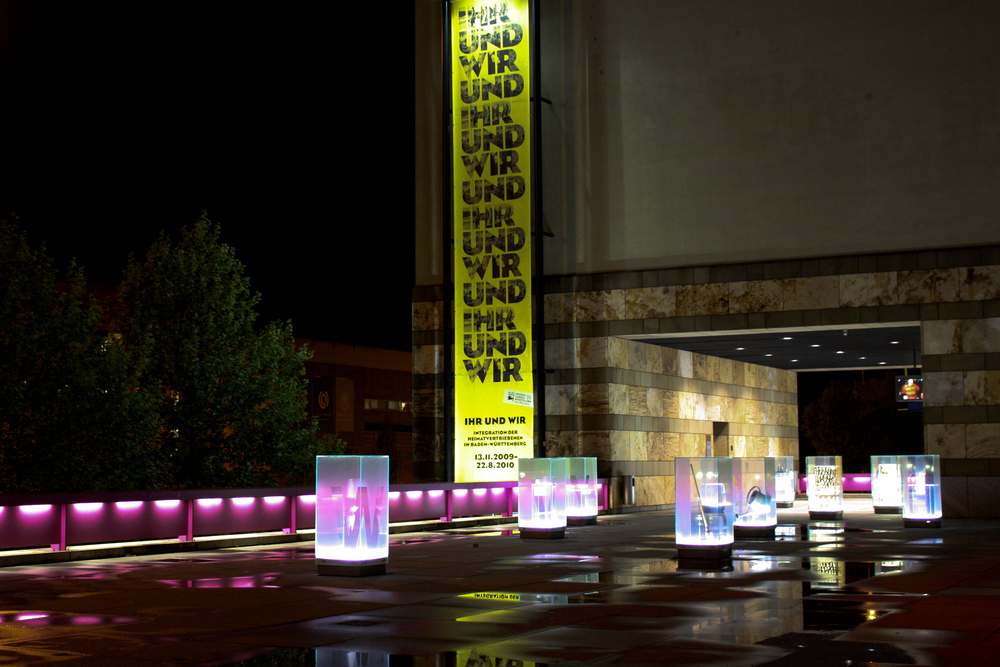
point(887, 484)
point(753, 492)
point(704, 507)
point(581, 487)
point(786, 480)
point(352, 518)
point(541, 488)
point(921, 485)
point(826, 484)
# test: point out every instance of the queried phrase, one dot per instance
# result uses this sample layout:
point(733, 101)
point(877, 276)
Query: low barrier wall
point(61, 521)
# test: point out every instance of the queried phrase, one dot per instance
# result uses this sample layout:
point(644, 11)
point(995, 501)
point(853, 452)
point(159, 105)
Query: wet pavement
point(862, 591)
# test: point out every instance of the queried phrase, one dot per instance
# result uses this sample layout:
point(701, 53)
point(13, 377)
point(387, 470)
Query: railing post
point(61, 544)
point(510, 501)
point(448, 500)
point(292, 514)
point(189, 531)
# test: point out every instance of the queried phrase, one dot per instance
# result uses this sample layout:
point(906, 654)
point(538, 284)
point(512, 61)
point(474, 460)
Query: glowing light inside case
point(352, 510)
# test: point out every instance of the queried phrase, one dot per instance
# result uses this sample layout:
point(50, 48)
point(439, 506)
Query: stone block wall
point(637, 406)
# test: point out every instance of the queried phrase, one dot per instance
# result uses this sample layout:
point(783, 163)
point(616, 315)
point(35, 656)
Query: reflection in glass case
point(541, 498)
point(754, 508)
point(825, 479)
point(887, 485)
point(786, 480)
point(704, 507)
point(581, 490)
point(921, 486)
point(352, 515)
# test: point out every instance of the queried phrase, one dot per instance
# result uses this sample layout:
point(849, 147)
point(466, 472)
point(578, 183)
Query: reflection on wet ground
point(863, 590)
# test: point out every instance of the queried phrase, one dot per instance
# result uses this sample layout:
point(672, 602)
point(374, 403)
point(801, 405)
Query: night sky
point(122, 119)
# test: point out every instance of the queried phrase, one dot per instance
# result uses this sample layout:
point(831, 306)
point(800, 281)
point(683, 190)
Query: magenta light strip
point(34, 522)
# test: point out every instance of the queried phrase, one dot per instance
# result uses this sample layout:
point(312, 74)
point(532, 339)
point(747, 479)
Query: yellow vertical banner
point(491, 185)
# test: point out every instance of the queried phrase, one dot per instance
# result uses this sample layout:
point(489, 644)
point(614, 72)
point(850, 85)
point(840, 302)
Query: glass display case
point(352, 515)
point(825, 480)
point(541, 498)
point(581, 490)
point(754, 506)
point(786, 480)
point(887, 485)
point(704, 507)
point(921, 486)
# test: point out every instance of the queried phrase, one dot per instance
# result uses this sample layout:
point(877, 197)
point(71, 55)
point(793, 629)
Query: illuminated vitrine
point(704, 507)
point(887, 485)
point(581, 490)
point(786, 480)
point(541, 498)
point(824, 476)
point(352, 514)
point(921, 486)
point(754, 506)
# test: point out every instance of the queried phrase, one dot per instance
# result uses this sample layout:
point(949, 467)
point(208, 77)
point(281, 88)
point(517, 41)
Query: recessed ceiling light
point(768, 355)
point(894, 342)
point(794, 360)
point(741, 349)
point(881, 363)
point(787, 338)
point(840, 351)
point(814, 345)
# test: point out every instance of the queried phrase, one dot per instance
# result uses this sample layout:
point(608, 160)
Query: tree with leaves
point(72, 414)
point(232, 398)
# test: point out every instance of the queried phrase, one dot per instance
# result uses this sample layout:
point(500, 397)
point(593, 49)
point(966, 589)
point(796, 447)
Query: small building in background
point(362, 394)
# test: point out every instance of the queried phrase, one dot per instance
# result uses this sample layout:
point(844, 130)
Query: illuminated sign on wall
point(491, 167)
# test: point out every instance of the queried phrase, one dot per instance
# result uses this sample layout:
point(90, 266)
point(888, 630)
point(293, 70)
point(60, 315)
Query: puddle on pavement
point(45, 619)
point(260, 580)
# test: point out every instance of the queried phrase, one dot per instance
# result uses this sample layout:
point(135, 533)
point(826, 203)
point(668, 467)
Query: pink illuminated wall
point(61, 520)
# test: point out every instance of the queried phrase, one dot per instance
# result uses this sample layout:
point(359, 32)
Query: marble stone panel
point(868, 289)
point(944, 389)
point(561, 399)
point(653, 490)
point(982, 387)
point(644, 357)
point(594, 399)
point(638, 405)
point(427, 316)
point(561, 443)
point(599, 306)
point(927, 286)
point(595, 443)
point(559, 307)
point(650, 303)
point(984, 497)
point(685, 364)
point(592, 352)
point(726, 370)
point(704, 299)
point(980, 283)
point(620, 445)
point(810, 293)
point(981, 335)
point(982, 441)
point(739, 445)
point(660, 446)
point(618, 398)
point(955, 497)
point(618, 352)
point(669, 360)
point(638, 446)
point(941, 336)
point(669, 404)
point(713, 408)
point(946, 440)
point(428, 359)
point(755, 296)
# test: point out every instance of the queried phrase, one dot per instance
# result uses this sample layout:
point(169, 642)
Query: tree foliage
point(232, 399)
point(72, 416)
point(858, 420)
